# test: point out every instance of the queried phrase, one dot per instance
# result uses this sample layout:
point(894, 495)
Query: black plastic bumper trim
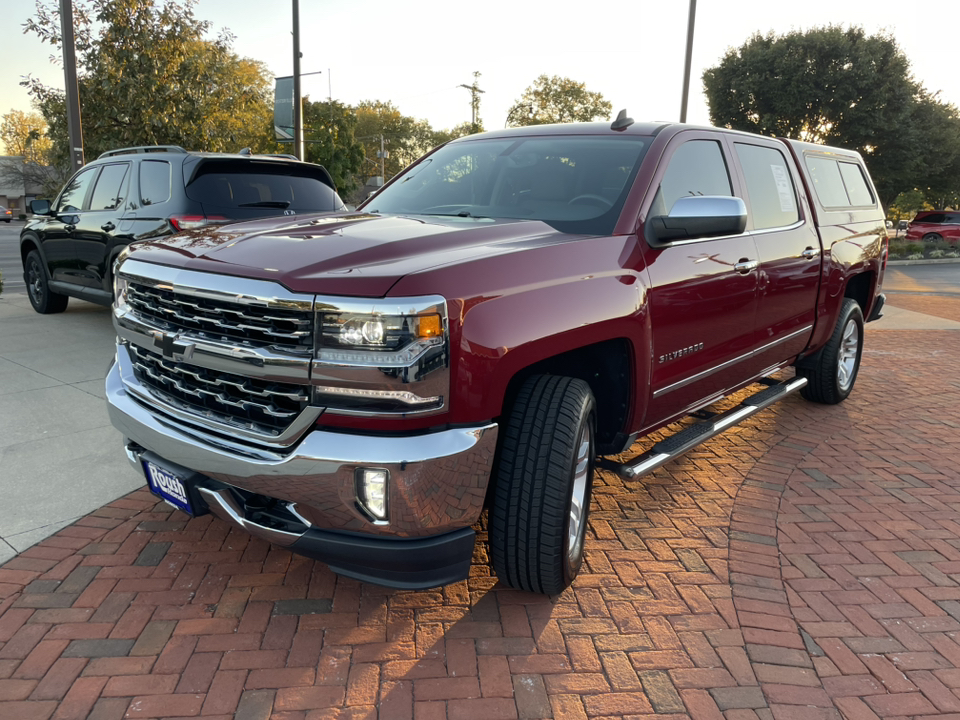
point(877, 311)
point(408, 563)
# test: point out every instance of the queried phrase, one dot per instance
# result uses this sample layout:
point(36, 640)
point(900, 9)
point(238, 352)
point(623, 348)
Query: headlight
point(383, 340)
point(120, 285)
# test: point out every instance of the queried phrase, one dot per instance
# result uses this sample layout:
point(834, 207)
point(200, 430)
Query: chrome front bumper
point(437, 481)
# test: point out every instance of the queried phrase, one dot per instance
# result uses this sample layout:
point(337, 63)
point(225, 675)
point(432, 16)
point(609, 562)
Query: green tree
point(376, 118)
point(907, 204)
point(830, 85)
point(557, 100)
point(25, 135)
point(149, 74)
point(329, 129)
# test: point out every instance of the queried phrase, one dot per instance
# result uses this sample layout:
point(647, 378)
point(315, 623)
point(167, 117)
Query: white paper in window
point(784, 188)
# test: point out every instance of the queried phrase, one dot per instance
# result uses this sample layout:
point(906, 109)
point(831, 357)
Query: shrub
point(897, 249)
point(938, 253)
point(915, 256)
point(914, 249)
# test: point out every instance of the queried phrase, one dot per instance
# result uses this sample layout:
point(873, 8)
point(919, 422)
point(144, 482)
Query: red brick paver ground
point(803, 565)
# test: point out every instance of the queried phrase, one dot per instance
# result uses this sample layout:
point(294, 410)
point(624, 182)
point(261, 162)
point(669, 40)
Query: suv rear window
point(244, 190)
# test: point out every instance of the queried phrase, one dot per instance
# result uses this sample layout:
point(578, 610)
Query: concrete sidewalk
point(59, 456)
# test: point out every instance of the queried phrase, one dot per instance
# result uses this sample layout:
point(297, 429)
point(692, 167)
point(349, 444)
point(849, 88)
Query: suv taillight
point(187, 222)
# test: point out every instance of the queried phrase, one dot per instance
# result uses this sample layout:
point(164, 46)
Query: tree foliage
point(329, 131)
point(557, 100)
point(149, 74)
point(841, 87)
point(25, 136)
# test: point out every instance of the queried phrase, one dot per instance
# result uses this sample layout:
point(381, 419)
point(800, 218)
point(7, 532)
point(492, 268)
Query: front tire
point(832, 371)
point(932, 237)
point(44, 300)
point(544, 479)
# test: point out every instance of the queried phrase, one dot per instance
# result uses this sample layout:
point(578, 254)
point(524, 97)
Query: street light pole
point(72, 94)
point(297, 108)
point(686, 65)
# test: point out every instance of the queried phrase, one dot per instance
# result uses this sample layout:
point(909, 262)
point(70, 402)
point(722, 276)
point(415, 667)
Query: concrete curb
point(930, 261)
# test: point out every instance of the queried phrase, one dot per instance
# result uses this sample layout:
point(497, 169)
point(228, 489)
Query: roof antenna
point(622, 122)
point(245, 151)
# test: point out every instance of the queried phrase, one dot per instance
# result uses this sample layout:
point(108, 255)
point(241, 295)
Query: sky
point(417, 54)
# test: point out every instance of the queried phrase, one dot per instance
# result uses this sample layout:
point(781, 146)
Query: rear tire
point(44, 300)
point(544, 479)
point(832, 371)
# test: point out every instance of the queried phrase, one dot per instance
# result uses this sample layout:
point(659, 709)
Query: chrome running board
point(691, 436)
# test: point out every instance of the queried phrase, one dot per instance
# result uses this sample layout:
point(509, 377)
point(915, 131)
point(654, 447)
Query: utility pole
point(383, 155)
point(686, 65)
point(474, 101)
point(72, 95)
point(297, 107)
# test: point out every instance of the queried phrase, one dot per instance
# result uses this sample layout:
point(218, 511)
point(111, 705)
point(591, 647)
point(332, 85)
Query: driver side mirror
point(40, 207)
point(697, 216)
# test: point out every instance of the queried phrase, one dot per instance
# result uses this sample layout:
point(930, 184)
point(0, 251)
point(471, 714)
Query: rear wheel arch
point(862, 288)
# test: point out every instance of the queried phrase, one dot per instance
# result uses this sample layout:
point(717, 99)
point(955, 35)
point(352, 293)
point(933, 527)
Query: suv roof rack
point(143, 149)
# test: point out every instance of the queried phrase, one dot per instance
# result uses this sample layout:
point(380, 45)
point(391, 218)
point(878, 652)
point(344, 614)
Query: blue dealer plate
point(167, 485)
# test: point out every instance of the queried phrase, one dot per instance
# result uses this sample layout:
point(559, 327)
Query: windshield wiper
point(282, 204)
point(462, 213)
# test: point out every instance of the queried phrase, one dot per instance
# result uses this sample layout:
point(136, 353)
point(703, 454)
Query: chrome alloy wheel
point(578, 497)
point(847, 357)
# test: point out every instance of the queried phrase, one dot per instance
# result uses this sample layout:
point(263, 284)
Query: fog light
point(372, 492)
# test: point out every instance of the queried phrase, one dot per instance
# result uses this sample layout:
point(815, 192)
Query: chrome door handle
point(810, 253)
point(745, 266)
point(69, 228)
point(107, 226)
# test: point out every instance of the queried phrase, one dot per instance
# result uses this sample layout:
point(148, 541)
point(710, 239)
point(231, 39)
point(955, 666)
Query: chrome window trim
point(722, 366)
point(746, 233)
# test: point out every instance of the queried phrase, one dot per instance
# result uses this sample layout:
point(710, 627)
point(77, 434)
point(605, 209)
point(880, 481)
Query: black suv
point(137, 193)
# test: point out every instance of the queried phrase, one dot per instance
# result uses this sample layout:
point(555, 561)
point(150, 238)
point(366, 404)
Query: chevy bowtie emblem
point(170, 344)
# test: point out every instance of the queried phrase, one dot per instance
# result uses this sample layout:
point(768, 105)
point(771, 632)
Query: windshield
point(576, 184)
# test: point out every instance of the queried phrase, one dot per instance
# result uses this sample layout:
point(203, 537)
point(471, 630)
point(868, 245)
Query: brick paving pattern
point(805, 565)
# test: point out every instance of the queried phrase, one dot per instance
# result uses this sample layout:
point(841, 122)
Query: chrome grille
point(248, 403)
point(291, 330)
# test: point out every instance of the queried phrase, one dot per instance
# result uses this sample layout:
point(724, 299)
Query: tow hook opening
point(269, 512)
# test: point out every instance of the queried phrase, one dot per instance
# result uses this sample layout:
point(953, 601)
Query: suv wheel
point(43, 299)
point(544, 479)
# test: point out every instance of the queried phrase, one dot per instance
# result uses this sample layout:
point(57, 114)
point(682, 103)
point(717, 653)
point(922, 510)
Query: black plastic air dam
point(405, 563)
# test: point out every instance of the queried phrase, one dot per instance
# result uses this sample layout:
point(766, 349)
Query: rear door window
point(773, 199)
point(242, 193)
point(109, 191)
point(154, 182)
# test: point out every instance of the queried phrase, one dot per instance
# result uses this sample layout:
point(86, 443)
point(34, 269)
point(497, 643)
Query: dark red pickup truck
point(508, 310)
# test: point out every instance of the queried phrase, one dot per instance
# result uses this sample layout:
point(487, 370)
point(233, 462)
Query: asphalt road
point(939, 279)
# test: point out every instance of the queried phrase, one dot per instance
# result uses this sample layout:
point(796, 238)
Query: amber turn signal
point(429, 326)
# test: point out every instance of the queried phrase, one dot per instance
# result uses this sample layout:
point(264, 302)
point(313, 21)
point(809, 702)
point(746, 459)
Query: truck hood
point(354, 254)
